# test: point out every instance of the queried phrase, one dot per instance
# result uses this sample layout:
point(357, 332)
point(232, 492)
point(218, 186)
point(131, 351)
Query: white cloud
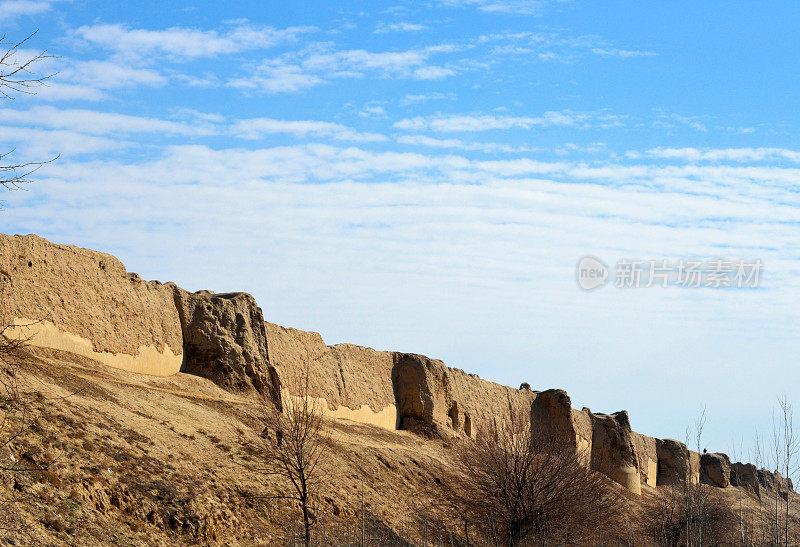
point(384, 28)
point(257, 127)
point(524, 7)
point(487, 122)
point(296, 71)
point(552, 46)
point(276, 78)
point(197, 115)
point(433, 73)
point(42, 143)
point(372, 111)
point(181, 43)
point(109, 75)
point(198, 124)
point(721, 154)
point(425, 97)
point(358, 61)
point(54, 91)
point(624, 53)
point(458, 144)
point(71, 78)
point(94, 122)
point(11, 9)
point(670, 121)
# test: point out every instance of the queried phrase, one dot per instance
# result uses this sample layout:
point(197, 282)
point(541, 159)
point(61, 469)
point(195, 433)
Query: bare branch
point(17, 75)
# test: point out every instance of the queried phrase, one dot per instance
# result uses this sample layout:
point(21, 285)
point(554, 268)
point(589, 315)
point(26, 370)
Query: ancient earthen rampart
point(85, 302)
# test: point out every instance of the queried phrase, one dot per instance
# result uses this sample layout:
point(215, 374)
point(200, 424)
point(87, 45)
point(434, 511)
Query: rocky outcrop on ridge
point(646, 452)
point(552, 417)
point(715, 469)
point(758, 481)
point(604, 442)
point(613, 452)
point(676, 463)
point(434, 398)
point(225, 340)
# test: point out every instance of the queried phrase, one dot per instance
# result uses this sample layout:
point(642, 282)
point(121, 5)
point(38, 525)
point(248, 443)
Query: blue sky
point(424, 176)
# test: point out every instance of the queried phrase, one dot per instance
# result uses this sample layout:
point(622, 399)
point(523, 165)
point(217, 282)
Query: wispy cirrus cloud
point(384, 28)
point(320, 63)
point(12, 9)
point(552, 46)
point(720, 154)
point(433, 73)
point(458, 144)
point(414, 98)
point(182, 43)
point(624, 53)
point(93, 122)
point(672, 120)
point(55, 91)
point(488, 122)
point(258, 127)
point(110, 75)
point(523, 7)
point(46, 143)
point(189, 123)
point(372, 110)
point(277, 77)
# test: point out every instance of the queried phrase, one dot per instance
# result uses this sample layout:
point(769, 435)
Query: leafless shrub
point(671, 517)
point(517, 486)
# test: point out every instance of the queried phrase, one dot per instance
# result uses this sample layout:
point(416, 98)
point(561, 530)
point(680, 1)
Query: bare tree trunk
point(776, 447)
point(790, 448)
point(297, 453)
point(306, 521)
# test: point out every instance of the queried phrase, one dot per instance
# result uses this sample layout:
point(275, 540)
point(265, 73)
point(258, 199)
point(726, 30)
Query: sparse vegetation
point(518, 486)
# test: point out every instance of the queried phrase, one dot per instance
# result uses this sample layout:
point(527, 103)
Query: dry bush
point(692, 514)
point(518, 486)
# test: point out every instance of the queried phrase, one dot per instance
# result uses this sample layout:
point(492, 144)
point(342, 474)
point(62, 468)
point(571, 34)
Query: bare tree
point(17, 76)
point(693, 495)
point(789, 454)
point(777, 461)
point(758, 460)
point(518, 485)
point(736, 480)
point(697, 492)
point(692, 513)
point(673, 518)
point(294, 446)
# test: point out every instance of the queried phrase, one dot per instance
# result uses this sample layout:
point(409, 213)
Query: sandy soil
point(115, 458)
